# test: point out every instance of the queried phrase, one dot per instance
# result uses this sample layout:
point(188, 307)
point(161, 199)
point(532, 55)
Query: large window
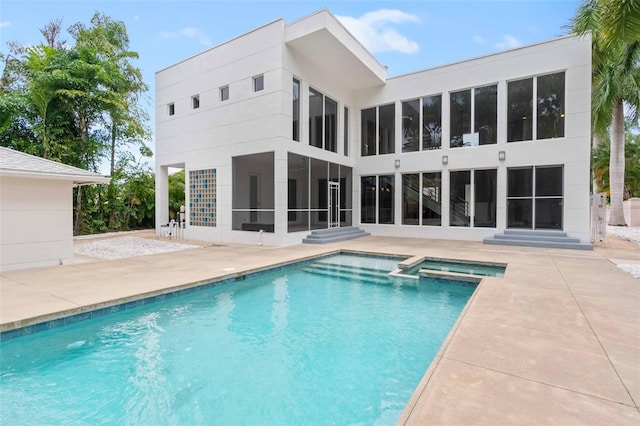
point(432, 122)
point(345, 125)
point(421, 203)
point(378, 130)
point(296, 110)
point(411, 126)
point(472, 198)
point(253, 192)
point(474, 109)
point(376, 202)
point(323, 111)
point(534, 197)
point(548, 122)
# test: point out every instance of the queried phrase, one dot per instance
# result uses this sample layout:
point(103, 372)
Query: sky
point(406, 36)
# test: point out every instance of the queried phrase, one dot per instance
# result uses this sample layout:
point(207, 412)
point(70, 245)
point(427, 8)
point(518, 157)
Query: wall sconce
point(445, 159)
point(502, 155)
point(397, 163)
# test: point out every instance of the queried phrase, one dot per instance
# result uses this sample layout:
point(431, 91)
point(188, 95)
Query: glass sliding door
point(485, 185)
point(431, 199)
point(385, 202)
point(368, 199)
point(549, 197)
point(411, 199)
point(460, 198)
point(535, 197)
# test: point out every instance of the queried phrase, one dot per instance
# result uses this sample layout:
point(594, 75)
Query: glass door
point(334, 204)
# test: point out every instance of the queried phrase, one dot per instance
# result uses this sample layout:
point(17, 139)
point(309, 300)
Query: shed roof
point(20, 164)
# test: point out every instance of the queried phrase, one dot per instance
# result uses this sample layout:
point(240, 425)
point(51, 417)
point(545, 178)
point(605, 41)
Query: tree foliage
point(615, 31)
point(78, 101)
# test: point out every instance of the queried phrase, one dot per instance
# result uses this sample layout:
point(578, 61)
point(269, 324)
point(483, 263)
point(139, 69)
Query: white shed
point(36, 209)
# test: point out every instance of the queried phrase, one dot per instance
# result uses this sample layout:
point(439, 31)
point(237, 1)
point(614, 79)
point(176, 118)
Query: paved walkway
point(557, 341)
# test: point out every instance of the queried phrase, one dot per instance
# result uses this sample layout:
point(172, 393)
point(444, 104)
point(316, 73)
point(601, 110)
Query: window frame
point(225, 93)
point(195, 101)
point(258, 83)
point(171, 108)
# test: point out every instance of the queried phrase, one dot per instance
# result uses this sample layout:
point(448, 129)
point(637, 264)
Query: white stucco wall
point(254, 122)
point(36, 222)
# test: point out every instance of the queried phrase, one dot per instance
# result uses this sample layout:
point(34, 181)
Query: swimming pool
point(479, 269)
point(331, 341)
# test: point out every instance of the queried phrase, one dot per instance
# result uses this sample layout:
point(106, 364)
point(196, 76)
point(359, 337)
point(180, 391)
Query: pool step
point(530, 238)
point(334, 235)
point(337, 271)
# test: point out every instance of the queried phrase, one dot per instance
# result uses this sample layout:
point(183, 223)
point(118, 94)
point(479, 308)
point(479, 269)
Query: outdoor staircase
point(529, 238)
point(333, 235)
point(371, 275)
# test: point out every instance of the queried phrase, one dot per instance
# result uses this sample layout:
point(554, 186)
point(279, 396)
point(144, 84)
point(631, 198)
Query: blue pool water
point(333, 341)
point(445, 265)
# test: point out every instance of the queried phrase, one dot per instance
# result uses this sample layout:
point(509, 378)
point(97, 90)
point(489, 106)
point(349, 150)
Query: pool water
point(301, 345)
point(445, 265)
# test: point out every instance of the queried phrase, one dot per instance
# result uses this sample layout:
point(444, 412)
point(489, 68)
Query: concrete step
point(348, 276)
point(357, 272)
point(537, 243)
point(534, 232)
point(550, 238)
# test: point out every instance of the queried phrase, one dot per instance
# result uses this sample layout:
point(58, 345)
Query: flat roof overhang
point(77, 180)
point(322, 39)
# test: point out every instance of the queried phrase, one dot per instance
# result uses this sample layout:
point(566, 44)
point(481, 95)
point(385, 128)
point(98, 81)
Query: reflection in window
point(346, 131)
point(368, 131)
point(486, 114)
point(315, 118)
point(431, 200)
point(520, 110)
point(330, 125)
point(535, 197)
point(411, 126)
point(460, 198)
point(460, 116)
point(368, 199)
point(485, 185)
point(386, 132)
point(296, 110)
point(550, 103)
point(385, 201)
point(411, 199)
point(323, 113)
point(432, 122)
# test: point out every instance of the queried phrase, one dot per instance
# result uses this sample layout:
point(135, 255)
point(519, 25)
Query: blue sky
point(404, 35)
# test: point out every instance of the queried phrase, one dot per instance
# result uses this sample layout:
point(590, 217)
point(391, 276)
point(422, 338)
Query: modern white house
point(295, 127)
point(36, 209)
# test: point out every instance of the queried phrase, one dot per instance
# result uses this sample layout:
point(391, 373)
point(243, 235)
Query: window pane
point(346, 203)
point(460, 198)
point(548, 181)
point(460, 109)
point(432, 122)
point(520, 110)
point(551, 106)
point(258, 83)
point(385, 201)
point(298, 192)
point(253, 192)
point(318, 189)
point(315, 118)
point(431, 201)
point(346, 131)
point(549, 213)
point(224, 93)
point(486, 114)
point(330, 125)
point(520, 182)
point(368, 131)
point(296, 110)
point(519, 213)
point(410, 199)
point(195, 102)
point(368, 199)
point(411, 126)
point(485, 185)
point(387, 129)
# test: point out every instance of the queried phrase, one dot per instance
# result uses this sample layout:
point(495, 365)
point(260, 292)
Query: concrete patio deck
point(556, 341)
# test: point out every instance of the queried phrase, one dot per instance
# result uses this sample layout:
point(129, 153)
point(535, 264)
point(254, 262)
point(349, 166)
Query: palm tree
point(614, 26)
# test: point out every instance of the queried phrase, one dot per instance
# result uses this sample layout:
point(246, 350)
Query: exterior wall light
point(397, 163)
point(445, 159)
point(502, 155)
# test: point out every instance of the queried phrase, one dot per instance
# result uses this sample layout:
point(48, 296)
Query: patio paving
point(556, 341)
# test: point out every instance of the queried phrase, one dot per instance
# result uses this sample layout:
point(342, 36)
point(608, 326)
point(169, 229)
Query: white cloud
point(508, 42)
point(478, 39)
point(136, 18)
point(373, 30)
point(189, 32)
point(5, 24)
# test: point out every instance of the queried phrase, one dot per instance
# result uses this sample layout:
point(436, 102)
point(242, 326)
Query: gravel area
point(122, 247)
point(629, 233)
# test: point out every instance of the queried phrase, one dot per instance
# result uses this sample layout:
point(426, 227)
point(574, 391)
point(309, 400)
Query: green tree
point(600, 165)
point(176, 193)
point(616, 80)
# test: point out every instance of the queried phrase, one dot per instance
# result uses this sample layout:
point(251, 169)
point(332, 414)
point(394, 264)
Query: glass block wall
point(202, 197)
